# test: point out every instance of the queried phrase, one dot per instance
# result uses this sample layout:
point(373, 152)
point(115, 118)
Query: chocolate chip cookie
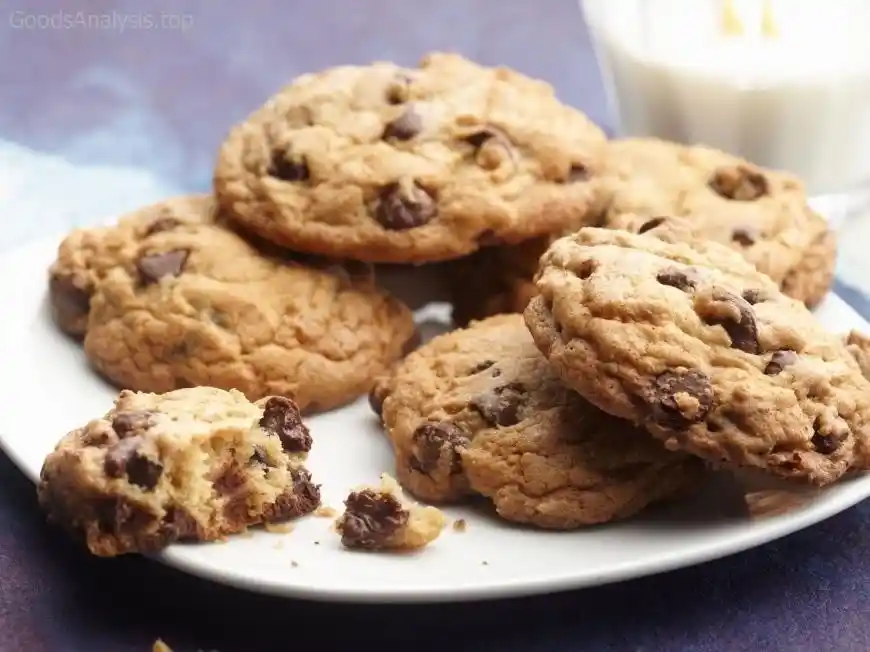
point(200, 305)
point(702, 350)
point(388, 164)
point(193, 464)
point(85, 256)
point(380, 518)
point(480, 411)
point(761, 213)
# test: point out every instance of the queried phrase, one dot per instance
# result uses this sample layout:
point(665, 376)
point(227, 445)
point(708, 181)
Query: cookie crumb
point(325, 511)
point(460, 525)
point(160, 646)
point(381, 518)
point(278, 528)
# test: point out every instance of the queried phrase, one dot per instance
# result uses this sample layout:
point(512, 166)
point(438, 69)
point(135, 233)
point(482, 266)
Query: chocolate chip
point(754, 296)
point(261, 456)
point(577, 173)
point(153, 267)
point(69, 301)
point(585, 268)
point(399, 88)
point(281, 167)
point(675, 277)
point(825, 444)
point(162, 224)
point(281, 418)
point(400, 208)
point(303, 497)
point(436, 441)
point(132, 422)
point(677, 399)
point(124, 458)
point(779, 361)
point(739, 183)
point(742, 329)
point(649, 225)
point(483, 366)
point(231, 485)
point(501, 406)
point(405, 127)
point(370, 519)
point(744, 236)
point(178, 525)
point(492, 147)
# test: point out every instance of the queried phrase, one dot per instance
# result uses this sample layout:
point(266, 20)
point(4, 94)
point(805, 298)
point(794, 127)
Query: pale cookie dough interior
point(193, 464)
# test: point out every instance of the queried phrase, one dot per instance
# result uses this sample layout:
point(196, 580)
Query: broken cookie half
point(192, 464)
point(380, 518)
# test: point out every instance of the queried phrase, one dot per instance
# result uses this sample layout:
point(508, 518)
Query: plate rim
point(848, 494)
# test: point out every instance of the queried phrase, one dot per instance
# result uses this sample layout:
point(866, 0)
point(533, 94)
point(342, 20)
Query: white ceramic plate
point(50, 390)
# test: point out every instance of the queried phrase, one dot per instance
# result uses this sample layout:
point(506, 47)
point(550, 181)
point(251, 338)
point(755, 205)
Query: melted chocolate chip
point(675, 277)
point(261, 456)
point(825, 444)
point(281, 418)
point(399, 88)
point(435, 442)
point(286, 169)
point(493, 147)
point(578, 173)
point(133, 422)
point(399, 209)
point(302, 498)
point(483, 366)
point(178, 525)
point(124, 458)
point(501, 406)
point(370, 519)
point(162, 224)
point(754, 296)
point(585, 268)
point(744, 331)
point(405, 127)
point(153, 267)
point(744, 236)
point(779, 361)
point(678, 399)
point(739, 183)
point(649, 225)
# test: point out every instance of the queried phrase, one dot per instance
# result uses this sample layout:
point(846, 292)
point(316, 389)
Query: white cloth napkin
point(42, 194)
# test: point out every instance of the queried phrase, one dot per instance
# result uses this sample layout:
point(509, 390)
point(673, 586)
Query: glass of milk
point(784, 84)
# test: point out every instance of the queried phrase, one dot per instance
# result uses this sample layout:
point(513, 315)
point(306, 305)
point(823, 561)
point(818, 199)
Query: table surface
point(161, 99)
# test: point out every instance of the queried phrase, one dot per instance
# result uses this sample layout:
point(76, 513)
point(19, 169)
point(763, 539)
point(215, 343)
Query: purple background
point(162, 99)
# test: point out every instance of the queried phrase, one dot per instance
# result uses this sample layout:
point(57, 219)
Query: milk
point(792, 96)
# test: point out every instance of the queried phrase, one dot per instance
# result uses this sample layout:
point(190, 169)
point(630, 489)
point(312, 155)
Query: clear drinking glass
point(783, 84)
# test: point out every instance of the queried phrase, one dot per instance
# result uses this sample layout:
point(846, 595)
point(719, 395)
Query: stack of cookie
point(763, 214)
point(664, 290)
point(640, 358)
